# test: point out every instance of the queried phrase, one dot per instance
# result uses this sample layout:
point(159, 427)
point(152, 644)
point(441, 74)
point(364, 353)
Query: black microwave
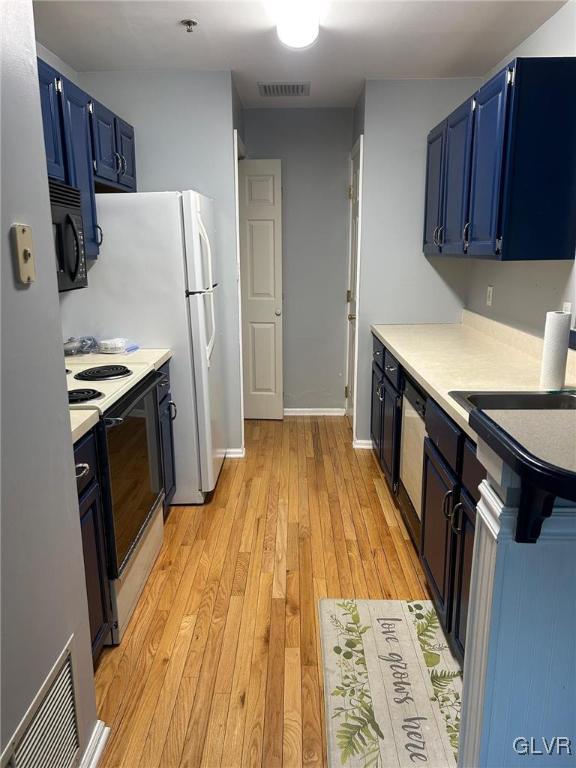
point(68, 232)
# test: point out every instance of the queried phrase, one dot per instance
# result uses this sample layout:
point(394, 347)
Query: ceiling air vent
point(283, 90)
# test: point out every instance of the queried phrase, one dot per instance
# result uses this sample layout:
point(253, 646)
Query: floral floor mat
point(392, 687)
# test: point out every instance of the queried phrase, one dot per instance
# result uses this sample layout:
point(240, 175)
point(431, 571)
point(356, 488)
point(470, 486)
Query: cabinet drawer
point(85, 460)
point(164, 385)
point(392, 369)
point(378, 352)
point(472, 471)
point(444, 434)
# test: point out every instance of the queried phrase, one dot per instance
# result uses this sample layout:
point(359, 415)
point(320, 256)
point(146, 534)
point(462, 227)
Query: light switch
point(23, 248)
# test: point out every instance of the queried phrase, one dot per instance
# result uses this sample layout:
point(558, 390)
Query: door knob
point(351, 317)
point(278, 312)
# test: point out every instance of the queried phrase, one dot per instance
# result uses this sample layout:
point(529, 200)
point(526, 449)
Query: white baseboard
point(314, 411)
point(235, 453)
point(95, 748)
point(362, 444)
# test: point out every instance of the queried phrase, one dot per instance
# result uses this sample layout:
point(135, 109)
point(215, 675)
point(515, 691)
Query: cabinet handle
point(123, 165)
point(118, 158)
point(379, 393)
point(376, 354)
point(82, 470)
point(390, 368)
point(100, 238)
point(173, 410)
point(434, 235)
point(454, 516)
point(447, 496)
point(440, 233)
point(465, 235)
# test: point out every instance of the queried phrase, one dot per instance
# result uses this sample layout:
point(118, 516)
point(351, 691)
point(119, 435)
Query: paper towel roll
point(555, 350)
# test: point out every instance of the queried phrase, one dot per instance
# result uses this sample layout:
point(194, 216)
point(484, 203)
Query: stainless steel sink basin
point(525, 401)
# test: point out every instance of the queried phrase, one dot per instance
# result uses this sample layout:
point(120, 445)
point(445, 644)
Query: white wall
point(525, 291)
point(184, 140)
point(397, 283)
point(314, 146)
point(43, 584)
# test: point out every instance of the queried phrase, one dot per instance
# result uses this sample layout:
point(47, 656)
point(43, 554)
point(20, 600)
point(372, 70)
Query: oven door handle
point(115, 421)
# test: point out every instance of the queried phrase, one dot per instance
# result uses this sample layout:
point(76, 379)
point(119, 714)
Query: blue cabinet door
point(487, 159)
point(106, 158)
point(94, 550)
point(457, 178)
point(127, 151)
point(51, 120)
point(434, 185)
point(76, 122)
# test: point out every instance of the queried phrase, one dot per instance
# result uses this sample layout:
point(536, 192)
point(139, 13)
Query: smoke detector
point(189, 24)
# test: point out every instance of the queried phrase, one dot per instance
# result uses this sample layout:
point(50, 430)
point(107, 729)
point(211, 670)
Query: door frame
point(239, 154)
point(357, 149)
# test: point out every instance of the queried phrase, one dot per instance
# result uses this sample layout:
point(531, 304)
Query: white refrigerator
point(156, 281)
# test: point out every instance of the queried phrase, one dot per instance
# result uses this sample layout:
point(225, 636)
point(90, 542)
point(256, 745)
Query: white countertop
point(82, 422)
point(477, 354)
point(154, 357)
point(85, 415)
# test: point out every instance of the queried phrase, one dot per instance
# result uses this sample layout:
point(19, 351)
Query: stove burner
point(101, 372)
point(83, 395)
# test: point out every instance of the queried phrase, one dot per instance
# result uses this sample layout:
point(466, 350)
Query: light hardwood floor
point(221, 664)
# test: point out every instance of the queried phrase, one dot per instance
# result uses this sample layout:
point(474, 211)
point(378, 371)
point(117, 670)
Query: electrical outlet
point(567, 307)
point(489, 295)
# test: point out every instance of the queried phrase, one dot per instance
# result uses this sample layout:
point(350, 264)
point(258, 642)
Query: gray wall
point(397, 284)
point(42, 570)
point(525, 291)
point(314, 146)
point(184, 140)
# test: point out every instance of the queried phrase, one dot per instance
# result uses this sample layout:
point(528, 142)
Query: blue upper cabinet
point(508, 169)
point(106, 159)
point(114, 149)
point(51, 120)
point(76, 121)
point(454, 233)
point(487, 160)
point(127, 152)
point(434, 188)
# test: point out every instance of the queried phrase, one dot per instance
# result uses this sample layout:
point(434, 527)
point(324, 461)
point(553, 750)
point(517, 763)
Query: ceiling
point(359, 39)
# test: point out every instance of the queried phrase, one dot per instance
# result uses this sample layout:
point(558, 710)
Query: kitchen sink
point(507, 401)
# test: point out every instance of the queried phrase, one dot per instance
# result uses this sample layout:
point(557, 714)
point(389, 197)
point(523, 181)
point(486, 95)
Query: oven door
point(134, 470)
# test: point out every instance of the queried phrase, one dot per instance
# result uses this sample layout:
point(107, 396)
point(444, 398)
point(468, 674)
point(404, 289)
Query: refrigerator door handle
point(204, 236)
point(211, 340)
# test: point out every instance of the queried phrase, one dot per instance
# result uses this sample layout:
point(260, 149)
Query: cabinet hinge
point(348, 296)
point(350, 192)
point(91, 107)
point(346, 391)
point(511, 76)
point(59, 85)
point(498, 245)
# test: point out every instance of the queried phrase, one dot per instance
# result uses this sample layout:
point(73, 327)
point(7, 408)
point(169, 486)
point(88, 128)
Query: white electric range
point(130, 470)
point(92, 391)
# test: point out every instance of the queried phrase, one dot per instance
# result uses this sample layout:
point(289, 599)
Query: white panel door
point(260, 192)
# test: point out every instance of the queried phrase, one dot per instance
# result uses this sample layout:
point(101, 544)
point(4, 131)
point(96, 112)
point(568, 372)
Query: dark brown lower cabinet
point(463, 525)
point(439, 487)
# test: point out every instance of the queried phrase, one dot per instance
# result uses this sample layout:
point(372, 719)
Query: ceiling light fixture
point(189, 24)
point(297, 22)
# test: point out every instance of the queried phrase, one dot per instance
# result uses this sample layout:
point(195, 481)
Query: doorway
point(354, 194)
point(260, 234)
